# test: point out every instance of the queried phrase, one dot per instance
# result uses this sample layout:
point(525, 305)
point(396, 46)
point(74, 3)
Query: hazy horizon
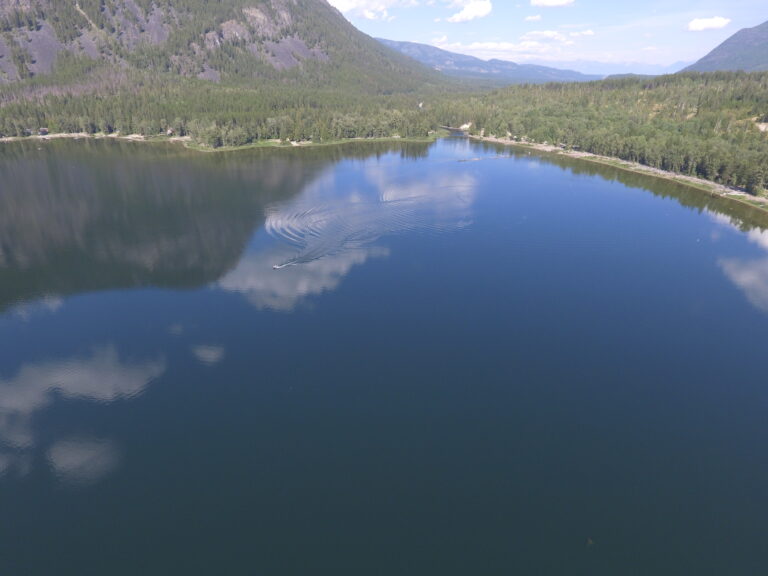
point(593, 37)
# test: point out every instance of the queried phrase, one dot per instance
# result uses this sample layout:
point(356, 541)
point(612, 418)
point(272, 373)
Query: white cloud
point(380, 9)
point(759, 237)
point(282, 290)
point(755, 235)
point(82, 461)
point(527, 48)
point(551, 2)
point(208, 355)
point(370, 9)
point(751, 276)
point(101, 378)
point(471, 10)
point(535, 18)
point(544, 35)
point(699, 24)
point(536, 45)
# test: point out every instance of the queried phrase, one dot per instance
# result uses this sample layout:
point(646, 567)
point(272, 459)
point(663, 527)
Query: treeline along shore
point(711, 126)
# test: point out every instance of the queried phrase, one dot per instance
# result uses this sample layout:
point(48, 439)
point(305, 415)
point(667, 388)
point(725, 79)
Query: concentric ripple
point(318, 226)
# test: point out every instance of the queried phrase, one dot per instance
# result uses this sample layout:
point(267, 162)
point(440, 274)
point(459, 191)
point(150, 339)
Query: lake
point(375, 359)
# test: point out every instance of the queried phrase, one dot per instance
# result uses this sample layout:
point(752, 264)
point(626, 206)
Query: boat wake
point(319, 227)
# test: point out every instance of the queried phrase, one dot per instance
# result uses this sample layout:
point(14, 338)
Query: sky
point(651, 33)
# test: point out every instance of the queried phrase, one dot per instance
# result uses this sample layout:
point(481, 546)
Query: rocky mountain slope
point(230, 40)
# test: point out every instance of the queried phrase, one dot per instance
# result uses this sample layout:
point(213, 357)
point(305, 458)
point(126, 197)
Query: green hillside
point(707, 125)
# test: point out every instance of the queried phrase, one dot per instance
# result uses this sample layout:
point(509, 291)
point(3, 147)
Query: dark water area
point(375, 359)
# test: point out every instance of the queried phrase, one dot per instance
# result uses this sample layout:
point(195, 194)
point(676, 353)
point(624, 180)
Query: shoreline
point(707, 186)
point(712, 188)
point(97, 136)
point(190, 144)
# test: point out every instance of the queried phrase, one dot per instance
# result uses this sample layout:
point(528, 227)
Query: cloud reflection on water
point(82, 461)
point(324, 232)
point(208, 355)
point(749, 275)
point(283, 289)
point(102, 377)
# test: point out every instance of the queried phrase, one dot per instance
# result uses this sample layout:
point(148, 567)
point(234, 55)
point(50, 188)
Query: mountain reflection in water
point(84, 216)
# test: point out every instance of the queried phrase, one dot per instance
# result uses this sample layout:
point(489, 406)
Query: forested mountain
point(226, 72)
point(713, 126)
point(231, 41)
point(492, 71)
point(746, 50)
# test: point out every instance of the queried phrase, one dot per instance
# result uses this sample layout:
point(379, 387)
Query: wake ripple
point(322, 229)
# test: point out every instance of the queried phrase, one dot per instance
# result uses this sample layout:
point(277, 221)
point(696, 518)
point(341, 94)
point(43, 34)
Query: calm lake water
point(375, 359)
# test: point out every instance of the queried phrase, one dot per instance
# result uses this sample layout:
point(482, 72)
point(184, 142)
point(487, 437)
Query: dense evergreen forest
point(213, 114)
point(705, 125)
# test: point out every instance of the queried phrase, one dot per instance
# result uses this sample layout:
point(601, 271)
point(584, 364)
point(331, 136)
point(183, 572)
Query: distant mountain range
point(492, 71)
point(746, 50)
point(617, 68)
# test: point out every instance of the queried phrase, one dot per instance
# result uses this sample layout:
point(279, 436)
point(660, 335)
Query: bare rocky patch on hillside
point(35, 32)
